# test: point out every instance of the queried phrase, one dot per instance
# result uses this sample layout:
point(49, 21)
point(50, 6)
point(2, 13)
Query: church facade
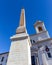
point(35, 49)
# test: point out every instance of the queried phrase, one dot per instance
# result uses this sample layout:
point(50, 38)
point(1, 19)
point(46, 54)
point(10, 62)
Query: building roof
point(4, 53)
point(38, 22)
point(45, 40)
point(37, 34)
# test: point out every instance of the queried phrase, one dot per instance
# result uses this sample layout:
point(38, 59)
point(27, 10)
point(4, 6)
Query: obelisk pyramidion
point(19, 53)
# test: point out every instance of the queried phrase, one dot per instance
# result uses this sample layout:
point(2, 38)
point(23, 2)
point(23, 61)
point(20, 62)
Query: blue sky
point(10, 15)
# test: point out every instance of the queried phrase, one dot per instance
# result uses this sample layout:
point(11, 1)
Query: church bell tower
point(41, 30)
point(19, 53)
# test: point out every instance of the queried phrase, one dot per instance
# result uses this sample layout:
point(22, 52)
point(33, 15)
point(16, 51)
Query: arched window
point(40, 28)
point(2, 59)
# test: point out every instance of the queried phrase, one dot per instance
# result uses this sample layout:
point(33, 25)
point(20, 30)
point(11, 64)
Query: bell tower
point(39, 26)
point(19, 53)
point(41, 30)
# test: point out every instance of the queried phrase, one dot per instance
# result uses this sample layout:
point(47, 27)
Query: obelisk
point(20, 53)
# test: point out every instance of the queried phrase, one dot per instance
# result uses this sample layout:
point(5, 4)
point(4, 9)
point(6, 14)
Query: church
point(25, 49)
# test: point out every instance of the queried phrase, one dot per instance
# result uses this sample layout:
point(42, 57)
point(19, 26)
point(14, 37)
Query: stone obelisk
point(19, 53)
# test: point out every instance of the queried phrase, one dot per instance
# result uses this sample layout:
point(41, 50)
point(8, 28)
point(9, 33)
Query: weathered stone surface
point(19, 53)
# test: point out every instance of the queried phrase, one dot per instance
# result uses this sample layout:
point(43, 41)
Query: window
point(33, 60)
point(2, 59)
point(49, 55)
point(40, 28)
point(48, 51)
point(33, 41)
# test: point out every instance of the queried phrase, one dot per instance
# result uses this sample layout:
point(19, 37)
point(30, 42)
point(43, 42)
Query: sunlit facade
point(36, 51)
